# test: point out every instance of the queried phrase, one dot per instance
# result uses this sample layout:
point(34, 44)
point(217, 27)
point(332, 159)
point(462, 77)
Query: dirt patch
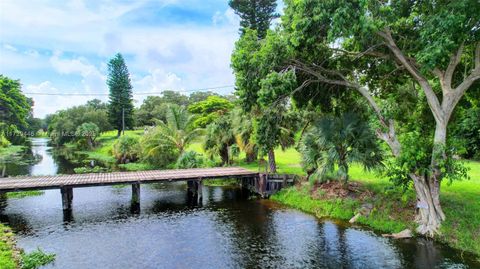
point(336, 189)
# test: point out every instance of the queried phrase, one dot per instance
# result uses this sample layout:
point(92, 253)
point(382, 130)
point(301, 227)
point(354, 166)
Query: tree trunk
point(224, 155)
point(343, 169)
point(430, 213)
point(271, 161)
point(251, 156)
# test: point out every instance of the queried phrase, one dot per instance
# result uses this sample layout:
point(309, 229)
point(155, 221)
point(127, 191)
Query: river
point(229, 230)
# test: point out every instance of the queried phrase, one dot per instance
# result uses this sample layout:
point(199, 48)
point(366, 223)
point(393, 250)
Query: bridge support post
point(67, 197)
point(135, 196)
point(194, 190)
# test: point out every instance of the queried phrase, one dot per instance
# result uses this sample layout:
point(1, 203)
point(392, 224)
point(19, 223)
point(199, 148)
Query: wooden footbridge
point(259, 183)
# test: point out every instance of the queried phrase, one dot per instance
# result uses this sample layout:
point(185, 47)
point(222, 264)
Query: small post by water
point(135, 195)
point(67, 197)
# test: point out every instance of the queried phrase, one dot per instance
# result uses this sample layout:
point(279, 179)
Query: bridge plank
point(96, 179)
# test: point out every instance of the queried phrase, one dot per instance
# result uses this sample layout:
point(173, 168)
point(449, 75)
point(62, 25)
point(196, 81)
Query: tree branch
point(412, 69)
point(454, 60)
point(389, 136)
point(477, 55)
point(451, 99)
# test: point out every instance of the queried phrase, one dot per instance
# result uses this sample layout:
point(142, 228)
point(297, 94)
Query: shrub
point(3, 141)
point(87, 133)
point(126, 149)
point(190, 159)
point(36, 259)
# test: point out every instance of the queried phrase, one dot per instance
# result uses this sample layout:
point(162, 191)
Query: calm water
point(227, 231)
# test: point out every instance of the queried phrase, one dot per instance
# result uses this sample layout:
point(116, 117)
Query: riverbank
point(9, 254)
point(393, 209)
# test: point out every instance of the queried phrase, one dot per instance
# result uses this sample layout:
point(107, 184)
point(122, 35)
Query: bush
point(3, 141)
point(36, 259)
point(86, 134)
point(85, 170)
point(126, 149)
point(190, 159)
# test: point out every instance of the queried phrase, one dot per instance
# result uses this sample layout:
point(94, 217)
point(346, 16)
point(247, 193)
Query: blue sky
point(63, 46)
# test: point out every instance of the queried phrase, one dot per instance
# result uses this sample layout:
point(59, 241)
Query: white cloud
point(9, 47)
point(48, 104)
point(92, 79)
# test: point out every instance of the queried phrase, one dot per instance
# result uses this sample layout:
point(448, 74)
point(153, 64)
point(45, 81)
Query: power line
point(138, 93)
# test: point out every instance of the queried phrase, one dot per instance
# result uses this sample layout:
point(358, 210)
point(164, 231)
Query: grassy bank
point(9, 255)
point(393, 209)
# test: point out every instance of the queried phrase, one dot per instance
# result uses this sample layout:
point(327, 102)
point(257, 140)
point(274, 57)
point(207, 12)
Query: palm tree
point(243, 131)
point(337, 141)
point(219, 138)
point(172, 136)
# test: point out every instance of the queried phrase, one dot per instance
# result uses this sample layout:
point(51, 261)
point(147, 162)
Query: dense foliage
point(209, 110)
point(336, 142)
point(62, 126)
point(15, 111)
point(87, 133)
point(126, 149)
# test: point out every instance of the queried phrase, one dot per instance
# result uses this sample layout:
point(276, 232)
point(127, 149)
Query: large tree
point(385, 51)
point(210, 109)
point(120, 107)
point(14, 105)
point(252, 61)
point(255, 14)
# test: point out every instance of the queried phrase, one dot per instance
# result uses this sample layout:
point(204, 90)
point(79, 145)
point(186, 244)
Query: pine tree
point(121, 103)
point(255, 14)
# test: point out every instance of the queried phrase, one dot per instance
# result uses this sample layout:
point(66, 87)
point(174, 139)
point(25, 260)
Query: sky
point(64, 46)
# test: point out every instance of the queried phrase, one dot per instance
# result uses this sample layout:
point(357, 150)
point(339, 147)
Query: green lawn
point(9, 257)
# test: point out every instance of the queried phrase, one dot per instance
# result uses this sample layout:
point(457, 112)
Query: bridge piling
point(67, 197)
point(194, 189)
point(135, 195)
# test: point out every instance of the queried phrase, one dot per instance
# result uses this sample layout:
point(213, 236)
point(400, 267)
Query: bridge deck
point(98, 179)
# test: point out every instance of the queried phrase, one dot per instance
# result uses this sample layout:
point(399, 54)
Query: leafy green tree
point(120, 107)
point(255, 14)
point(257, 64)
point(87, 133)
point(63, 124)
point(209, 110)
point(336, 142)
point(15, 108)
point(371, 49)
point(153, 108)
point(196, 97)
point(173, 97)
point(97, 104)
